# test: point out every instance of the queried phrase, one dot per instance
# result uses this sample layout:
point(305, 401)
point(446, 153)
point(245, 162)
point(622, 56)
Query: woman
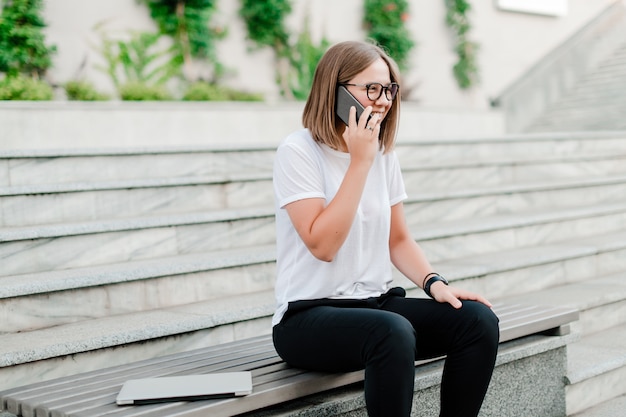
point(340, 227)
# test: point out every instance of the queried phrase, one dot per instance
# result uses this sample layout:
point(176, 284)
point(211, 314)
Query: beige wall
point(509, 42)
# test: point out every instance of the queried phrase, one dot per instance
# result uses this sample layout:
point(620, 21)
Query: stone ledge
point(539, 359)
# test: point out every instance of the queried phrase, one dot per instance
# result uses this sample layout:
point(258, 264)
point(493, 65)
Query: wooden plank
point(104, 394)
point(182, 357)
point(92, 383)
point(296, 386)
point(536, 321)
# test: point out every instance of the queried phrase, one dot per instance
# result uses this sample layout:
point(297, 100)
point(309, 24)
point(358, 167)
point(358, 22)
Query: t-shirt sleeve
point(297, 174)
point(397, 190)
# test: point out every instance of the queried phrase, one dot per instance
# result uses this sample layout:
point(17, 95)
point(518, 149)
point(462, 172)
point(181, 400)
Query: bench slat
point(97, 383)
point(105, 395)
point(93, 393)
point(536, 320)
point(79, 379)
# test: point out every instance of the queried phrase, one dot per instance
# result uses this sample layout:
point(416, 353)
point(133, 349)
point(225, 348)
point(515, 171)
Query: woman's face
point(377, 72)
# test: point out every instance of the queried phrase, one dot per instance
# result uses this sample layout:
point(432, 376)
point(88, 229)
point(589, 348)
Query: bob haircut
point(340, 64)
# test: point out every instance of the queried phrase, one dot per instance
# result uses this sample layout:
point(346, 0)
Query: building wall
point(510, 42)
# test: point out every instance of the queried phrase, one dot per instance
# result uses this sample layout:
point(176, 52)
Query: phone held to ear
point(344, 101)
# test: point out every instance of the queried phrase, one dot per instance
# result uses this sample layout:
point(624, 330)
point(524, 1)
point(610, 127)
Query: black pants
point(384, 336)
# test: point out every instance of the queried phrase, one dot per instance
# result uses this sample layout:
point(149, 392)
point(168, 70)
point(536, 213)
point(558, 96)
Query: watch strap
point(431, 281)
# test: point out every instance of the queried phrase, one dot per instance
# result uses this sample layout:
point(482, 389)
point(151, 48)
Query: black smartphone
point(344, 101)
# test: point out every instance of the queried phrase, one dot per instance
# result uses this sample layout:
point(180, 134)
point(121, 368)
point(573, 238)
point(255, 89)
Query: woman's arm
point(410, 259)
point(324, 229)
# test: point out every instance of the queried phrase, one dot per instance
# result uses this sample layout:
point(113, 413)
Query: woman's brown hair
point(340, 64)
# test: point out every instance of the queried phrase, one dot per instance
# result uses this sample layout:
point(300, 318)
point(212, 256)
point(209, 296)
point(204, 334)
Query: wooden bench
point(93, 394)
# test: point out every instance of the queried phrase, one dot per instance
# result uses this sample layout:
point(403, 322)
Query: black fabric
point(385, 335)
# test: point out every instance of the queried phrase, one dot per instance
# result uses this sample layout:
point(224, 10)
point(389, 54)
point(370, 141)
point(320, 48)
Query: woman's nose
point(383, 100)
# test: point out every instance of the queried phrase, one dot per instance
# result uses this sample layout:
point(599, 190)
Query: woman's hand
point(362, 138)
point(453, 296)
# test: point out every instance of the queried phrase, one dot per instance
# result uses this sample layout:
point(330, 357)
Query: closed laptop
point(185, 388)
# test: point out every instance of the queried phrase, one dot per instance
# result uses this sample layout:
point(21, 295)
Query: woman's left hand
point(454, 296)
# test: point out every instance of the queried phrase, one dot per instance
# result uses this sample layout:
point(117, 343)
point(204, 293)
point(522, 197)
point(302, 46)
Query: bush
point(22, 41)
point(385, 22)
point(202, 91)
point(136, 91)
point(24, 88)
point(83, 90)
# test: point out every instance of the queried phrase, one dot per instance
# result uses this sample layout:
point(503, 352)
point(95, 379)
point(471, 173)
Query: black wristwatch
point(431, 281)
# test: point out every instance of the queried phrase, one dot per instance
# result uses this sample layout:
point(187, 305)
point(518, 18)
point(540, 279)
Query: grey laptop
point(185, 388)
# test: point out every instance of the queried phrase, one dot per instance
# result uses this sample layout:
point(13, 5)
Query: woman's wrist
point(433, 279)
point(426, 278)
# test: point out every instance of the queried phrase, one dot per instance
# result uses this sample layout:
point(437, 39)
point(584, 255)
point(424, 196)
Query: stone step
point(608, 74)
point(525, 148)
point(82, 244)
point(472, 202)
point(608, 86)
point(595, 103)
point(39, 353)
point(507, 273)
point(42, 300)
point(108, 341)
point(590, 123)
point(469, 173)
point(601, 83)
point(475, 236)
point(46, 298)
point(611, 408)
point(71, 202)
point(605, 75)
point(591, 111)
point(601, 300)
point(596, 373)
point(41, 167)
point(591, 102)
point(66, 246)
point(45, 167)
point(42, 204)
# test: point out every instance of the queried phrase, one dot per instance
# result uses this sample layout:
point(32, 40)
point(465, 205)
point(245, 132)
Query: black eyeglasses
point(375, 90)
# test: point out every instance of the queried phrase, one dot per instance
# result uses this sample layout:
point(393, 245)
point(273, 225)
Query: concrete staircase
point(110, 256)
point(597, 102)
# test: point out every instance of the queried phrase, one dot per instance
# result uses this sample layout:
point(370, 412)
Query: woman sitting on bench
point(340, 227)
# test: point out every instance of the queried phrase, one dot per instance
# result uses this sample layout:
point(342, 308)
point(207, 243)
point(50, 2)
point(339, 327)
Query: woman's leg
point(468, 336)
point(343, 339)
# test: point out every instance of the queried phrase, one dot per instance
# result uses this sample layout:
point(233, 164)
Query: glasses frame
point(384, 88)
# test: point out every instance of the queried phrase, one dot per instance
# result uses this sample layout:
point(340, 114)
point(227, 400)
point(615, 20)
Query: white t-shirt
point(304, 169)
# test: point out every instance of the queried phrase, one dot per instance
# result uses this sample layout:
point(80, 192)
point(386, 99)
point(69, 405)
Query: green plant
point(295, 64)
point(139, 59)
point(384, 22)
point(303, 59)
point(187, 22)
point(465, 70)
point(265, 22)
point(202, 91)
point(138, 91)
point(20, 87)
point(83, 91)
point(22, 42)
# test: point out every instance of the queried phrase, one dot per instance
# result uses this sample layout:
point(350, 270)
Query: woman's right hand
point(362, 138)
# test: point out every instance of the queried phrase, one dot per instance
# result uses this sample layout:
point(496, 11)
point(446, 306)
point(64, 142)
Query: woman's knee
point(484, 320)
point(393, 334)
